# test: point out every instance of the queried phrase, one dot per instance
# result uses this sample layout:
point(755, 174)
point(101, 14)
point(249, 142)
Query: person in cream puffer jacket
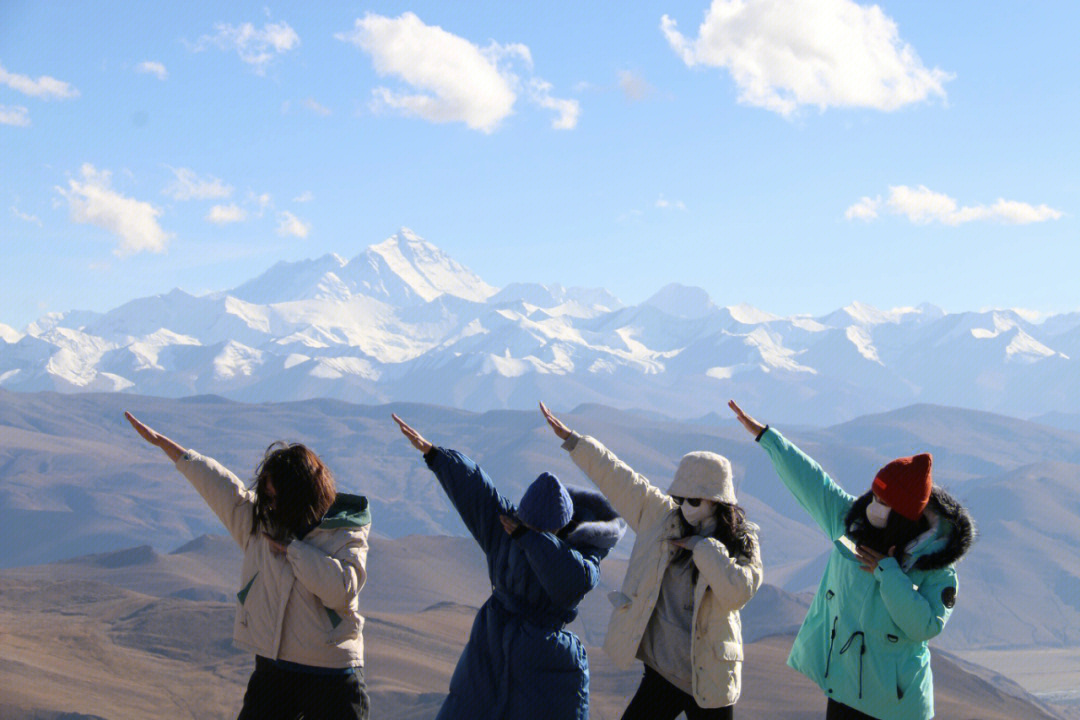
point(305, 551)
point(694, 564)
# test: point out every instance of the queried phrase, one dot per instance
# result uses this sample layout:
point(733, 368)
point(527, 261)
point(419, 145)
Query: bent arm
point(636, 499)
point(226, 495)
point(734, 581)
point(472, 494)
point(336, 579)
point(827, 502)
point(565, 573)
point(921, 613)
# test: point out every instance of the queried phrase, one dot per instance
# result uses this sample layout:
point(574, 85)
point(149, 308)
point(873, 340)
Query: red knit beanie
point(904, 484)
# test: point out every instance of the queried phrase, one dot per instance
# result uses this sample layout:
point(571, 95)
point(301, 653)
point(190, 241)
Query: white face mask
point(877, 513)
point(697, 515)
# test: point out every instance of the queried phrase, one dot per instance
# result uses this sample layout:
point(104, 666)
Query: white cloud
point(451, 79)
point(866, 209)
point(255, 47)
point(312, 105)
point(540, 93)
point(665, 204)
point(45, 87)
point(16, 115)
point(261, 202)
point(826, 53)
point(189, 186)
point(224, 214)
point(153, 68)
point(923, 206)
point(93, 201)
point(634, 87)
point(306, 196)
point(25, 216)
point(289, 224)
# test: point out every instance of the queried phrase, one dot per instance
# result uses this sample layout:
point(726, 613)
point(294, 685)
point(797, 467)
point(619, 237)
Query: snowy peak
point(302, 280)
point(682, 301)
point(550, 296)
point(9, 334)
point(864, 315)
point(747, 314)
point(425, 269)
point(403, 269)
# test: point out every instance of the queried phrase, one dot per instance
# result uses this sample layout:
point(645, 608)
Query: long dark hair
point(303, 490)
point(733, 531)
point(898, 531)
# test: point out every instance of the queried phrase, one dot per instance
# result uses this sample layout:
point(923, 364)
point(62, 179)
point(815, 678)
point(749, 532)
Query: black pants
point(276, 694)
point(657, 699)
point(839, 711)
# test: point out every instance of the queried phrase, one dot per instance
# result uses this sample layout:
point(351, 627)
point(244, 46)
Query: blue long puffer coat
point(520, 663)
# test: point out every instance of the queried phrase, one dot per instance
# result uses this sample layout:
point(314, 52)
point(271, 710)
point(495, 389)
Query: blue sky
point(793, 156)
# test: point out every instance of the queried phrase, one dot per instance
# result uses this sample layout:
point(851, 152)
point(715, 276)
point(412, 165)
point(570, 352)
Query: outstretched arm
point(226, 495)
point(469, 488)
point(170, 448)
point(827, 502)
point(636, 499)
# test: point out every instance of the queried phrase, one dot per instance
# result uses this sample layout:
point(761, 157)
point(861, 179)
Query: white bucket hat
point(704, 475)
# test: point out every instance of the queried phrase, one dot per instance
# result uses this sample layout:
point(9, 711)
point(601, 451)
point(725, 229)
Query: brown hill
point(73, 643)
point(99, 651)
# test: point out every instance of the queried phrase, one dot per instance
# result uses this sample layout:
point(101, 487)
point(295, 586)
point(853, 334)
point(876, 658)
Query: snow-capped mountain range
point(403, 321)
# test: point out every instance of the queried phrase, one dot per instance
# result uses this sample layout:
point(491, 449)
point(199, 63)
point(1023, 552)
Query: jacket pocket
point(348, 627)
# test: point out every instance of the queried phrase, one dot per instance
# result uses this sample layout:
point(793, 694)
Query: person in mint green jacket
point(889, 587)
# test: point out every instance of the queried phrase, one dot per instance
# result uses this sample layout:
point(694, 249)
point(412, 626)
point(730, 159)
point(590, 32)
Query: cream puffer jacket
point(724, 583)
point(300, 607)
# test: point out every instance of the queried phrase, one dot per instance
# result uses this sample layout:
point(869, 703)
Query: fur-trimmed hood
point(595, 522)
point(950, 534)
point(955, 534)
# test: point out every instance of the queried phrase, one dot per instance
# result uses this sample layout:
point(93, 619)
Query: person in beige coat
point(695, 562)
point(305, 550)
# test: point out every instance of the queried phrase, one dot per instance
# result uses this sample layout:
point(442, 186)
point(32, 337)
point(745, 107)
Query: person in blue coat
point(543, 556)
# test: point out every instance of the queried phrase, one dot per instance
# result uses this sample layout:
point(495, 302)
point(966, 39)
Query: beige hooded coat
point(724, 583)
point(301, 606)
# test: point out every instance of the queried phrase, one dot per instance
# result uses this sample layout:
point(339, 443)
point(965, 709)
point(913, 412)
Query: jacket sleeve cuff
point(186, 457)
point(430, 455)
point(760, 434)
point(571, 442)
point(886, 564)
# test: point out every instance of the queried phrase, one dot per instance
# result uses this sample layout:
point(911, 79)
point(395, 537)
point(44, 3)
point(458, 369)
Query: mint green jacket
point(864, 639)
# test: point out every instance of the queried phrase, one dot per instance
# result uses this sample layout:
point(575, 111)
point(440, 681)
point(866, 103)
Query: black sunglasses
point(692, 502)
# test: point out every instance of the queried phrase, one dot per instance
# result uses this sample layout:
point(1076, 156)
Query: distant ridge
point(403, 321)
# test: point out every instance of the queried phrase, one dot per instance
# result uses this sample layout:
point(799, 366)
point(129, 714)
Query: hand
point(415, 438)
point(870, 558)
point(156, 439)
point(686, 543)
point(752, 426)
point(275, 547)
point(510, 525)
point(557, 427)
